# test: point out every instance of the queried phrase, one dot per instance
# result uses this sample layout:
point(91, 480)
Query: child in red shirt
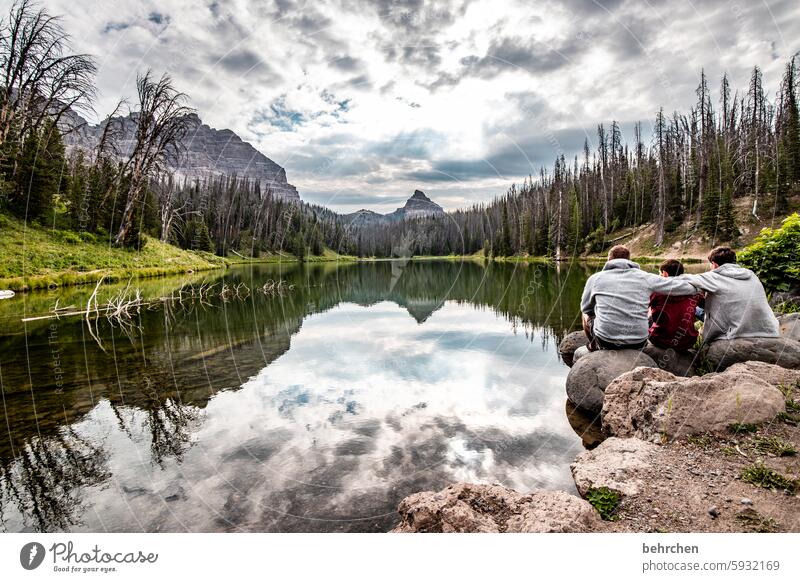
point(672, 317)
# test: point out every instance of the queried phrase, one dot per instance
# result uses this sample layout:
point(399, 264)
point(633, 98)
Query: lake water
point(315, 410)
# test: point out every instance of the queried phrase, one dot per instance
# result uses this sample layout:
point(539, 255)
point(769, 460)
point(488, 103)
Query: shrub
point(605, 501)
point(71, 238)
point(767, 478)
point(775, 256)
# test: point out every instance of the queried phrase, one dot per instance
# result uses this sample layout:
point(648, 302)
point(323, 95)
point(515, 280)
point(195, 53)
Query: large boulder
point(790, 325)
point(579, 353)
point(722, 354)
point(470, 508)
point(772, 374)
point(616, 463)
point(570, 343)
point(591, 374)
point(654, 405)
point(679, 363)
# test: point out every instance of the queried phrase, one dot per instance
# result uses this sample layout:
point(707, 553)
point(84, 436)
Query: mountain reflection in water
point(315, 410)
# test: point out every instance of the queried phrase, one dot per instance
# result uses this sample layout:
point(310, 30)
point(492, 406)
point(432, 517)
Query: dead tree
point(162, 122)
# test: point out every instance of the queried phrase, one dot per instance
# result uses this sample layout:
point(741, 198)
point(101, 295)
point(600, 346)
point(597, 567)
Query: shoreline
point(207, 262)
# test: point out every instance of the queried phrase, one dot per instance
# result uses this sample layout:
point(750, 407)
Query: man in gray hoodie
point(615, 302)
point(736, 304)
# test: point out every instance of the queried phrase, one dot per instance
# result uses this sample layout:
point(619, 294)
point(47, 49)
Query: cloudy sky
point(363, 101)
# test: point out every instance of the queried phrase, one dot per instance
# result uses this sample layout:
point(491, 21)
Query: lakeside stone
point(789, 325)
point(678, 363)
point(571, 342)
point(617, 463)
point(579, 353)
point(589, 376)
point(473, 508)
point(655, 405)
point(782, 351)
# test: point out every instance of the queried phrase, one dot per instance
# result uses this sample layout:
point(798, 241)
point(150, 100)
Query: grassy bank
point(35, 257)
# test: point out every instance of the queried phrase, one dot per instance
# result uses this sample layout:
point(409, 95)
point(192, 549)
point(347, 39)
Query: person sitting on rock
point(672, 317)
point(615, 302)
point(736, 304)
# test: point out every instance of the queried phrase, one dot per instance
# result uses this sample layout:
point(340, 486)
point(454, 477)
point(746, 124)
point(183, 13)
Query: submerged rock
point(789, 325)
point(471, 508)
point(591, 374)
point(617, 464)
point(570, 343)
point(678, 363)
point(655, 405)
point(782, 351)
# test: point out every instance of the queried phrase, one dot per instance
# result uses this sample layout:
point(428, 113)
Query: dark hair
point(619, 252)
point(672, 267)
point(722, 255)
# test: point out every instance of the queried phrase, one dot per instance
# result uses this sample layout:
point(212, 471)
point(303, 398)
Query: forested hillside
point(733, 145)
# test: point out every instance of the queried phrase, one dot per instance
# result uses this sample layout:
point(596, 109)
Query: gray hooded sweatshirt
point(619, 297)
point(736, 304)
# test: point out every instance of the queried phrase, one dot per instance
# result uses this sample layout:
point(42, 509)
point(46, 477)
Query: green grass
point(605, 501)
point(742, 427)
point(767, 478)
point(36, 257)
point(775, 446)
point(755, 522)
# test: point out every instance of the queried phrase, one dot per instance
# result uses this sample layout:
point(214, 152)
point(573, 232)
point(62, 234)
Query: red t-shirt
point(673, 321)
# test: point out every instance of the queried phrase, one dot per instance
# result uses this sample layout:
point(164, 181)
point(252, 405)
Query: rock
point(591, 374)
point(746, 501)
point(789, 325)
point(653, 404)
point(207, 152)
point(722, 354)
point(616, 463)
point(466, 507)
point(772, 374)
point(570, 343)
point(713, 512)
point(679, 363)
point(585, 426)
point(579, 353)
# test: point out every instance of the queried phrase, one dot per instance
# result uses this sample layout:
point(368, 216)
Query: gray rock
point(678, 363)
point(770, 373)
point(208, 152)
point(616, 463)
point(469, 508)
point(789, 325)
point(571, 342)
point(782, 351)
point(579, 353)
point(591, 374)
point(654, 405)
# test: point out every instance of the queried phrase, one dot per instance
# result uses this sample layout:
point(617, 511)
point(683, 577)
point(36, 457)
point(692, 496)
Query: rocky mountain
point(417, 206)
point(208, 152)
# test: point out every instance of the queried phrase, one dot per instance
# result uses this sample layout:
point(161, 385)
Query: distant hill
point(209, 152)
point(417, 206)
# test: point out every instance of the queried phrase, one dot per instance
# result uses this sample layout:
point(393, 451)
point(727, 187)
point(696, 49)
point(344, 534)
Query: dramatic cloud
point(362, 101)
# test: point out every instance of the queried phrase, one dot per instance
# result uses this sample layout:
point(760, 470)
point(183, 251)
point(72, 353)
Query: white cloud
point(348, 77)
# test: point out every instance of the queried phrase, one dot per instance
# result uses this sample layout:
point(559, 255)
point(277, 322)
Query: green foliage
point(762, 476)
point(34, 177)
point(775, 256)
point(742, 427)
point(606, 501)
point(775, 446)
point(755, 522)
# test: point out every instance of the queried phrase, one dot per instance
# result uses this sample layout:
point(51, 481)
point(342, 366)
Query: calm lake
point(317, 409)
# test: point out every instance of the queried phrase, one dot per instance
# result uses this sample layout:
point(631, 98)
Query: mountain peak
point(419, 195)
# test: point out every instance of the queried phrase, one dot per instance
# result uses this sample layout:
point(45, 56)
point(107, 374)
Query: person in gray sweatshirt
point(615, 302)
point(736, 304)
